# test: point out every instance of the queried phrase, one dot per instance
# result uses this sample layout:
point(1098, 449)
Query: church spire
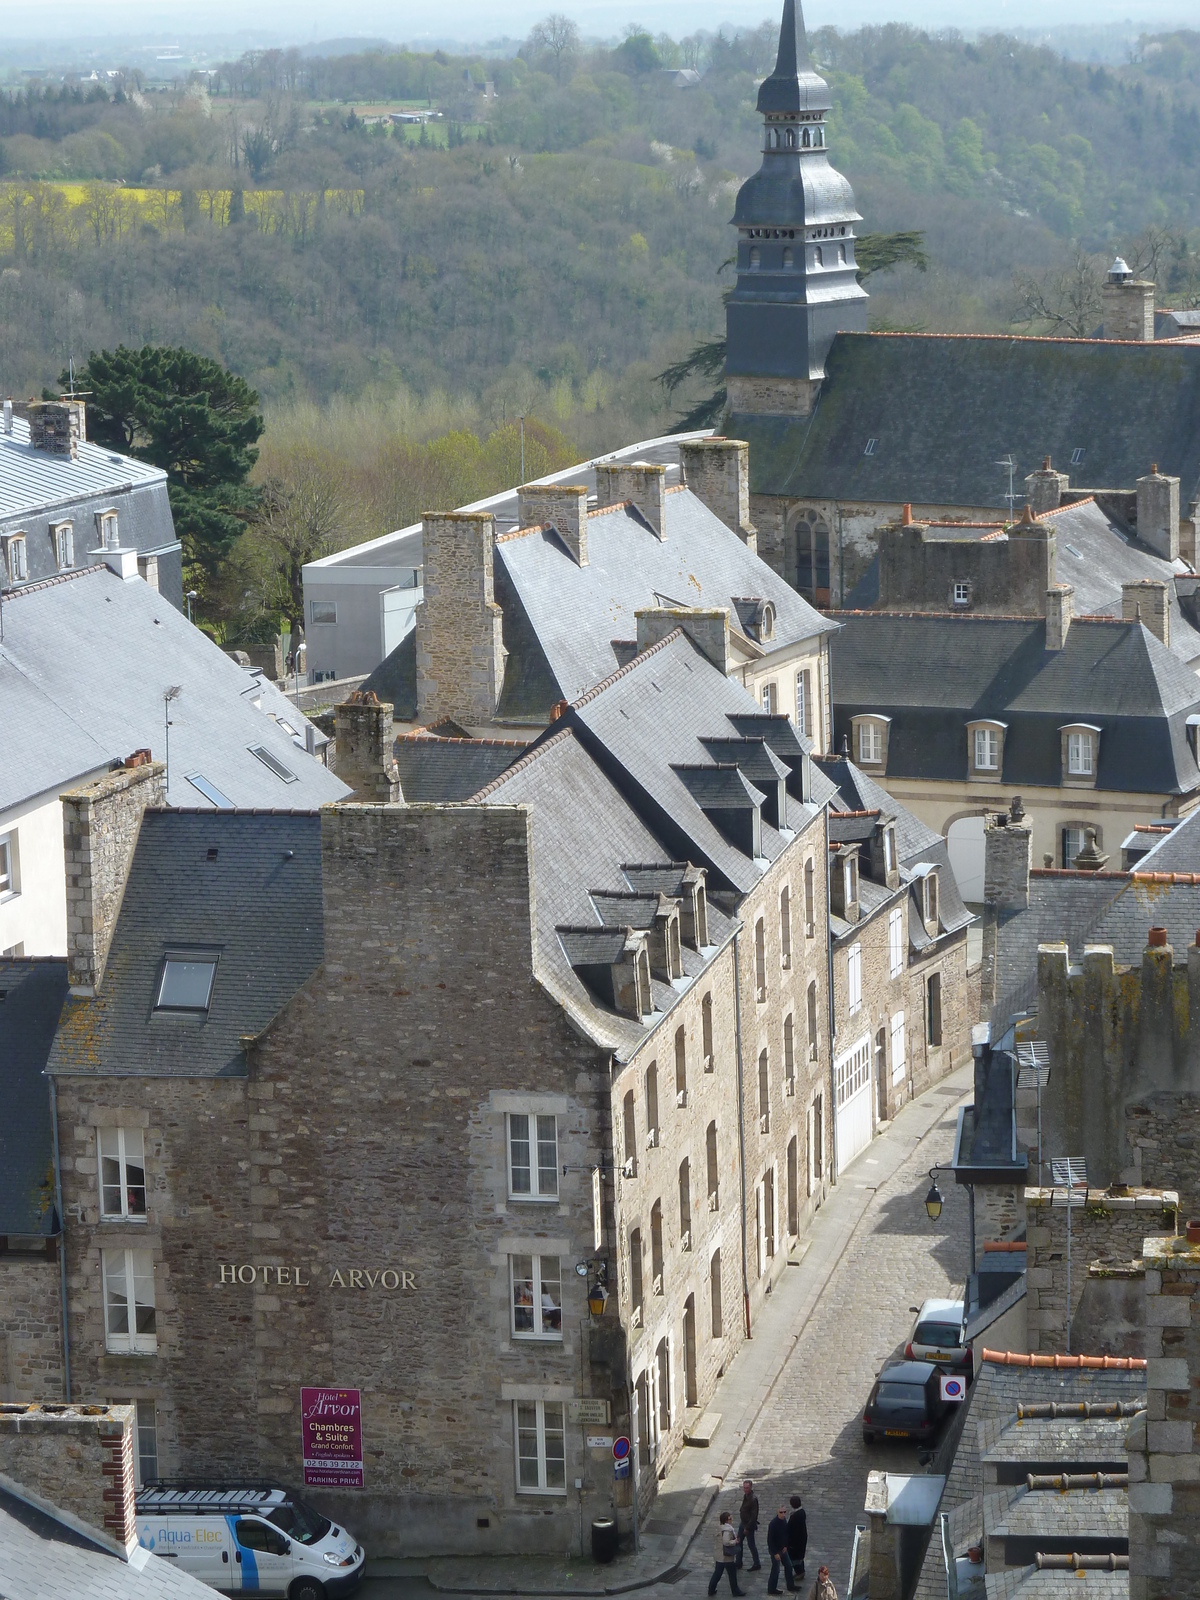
point(797, 286)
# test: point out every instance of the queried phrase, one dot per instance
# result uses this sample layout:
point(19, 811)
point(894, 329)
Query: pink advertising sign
point(331, 1431)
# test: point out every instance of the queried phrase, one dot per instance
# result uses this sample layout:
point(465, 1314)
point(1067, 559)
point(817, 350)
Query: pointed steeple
point(793, 86)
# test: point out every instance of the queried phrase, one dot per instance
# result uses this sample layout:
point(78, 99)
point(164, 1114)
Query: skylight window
point(186, 983)
point(870, 449)
point(273, 763)
point(210, 791)
point(1077, 456)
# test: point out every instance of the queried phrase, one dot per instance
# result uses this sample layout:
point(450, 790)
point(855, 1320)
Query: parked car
point(940, 1336)
point(906, 1403)
point(258, 1538)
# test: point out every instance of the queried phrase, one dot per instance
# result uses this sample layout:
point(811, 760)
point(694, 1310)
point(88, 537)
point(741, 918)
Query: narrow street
point(872, 1255)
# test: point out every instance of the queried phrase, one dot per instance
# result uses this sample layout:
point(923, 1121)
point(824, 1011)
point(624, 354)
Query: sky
point(476, 21)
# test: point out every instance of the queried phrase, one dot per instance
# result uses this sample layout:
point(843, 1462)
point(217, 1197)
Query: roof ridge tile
point(605, 683)
point(58, 577)
point(519, 766)
point(1009, 338)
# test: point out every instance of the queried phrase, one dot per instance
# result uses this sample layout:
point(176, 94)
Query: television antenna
point(1010, 466)
point(1069, 1173)
point(1033, 1072)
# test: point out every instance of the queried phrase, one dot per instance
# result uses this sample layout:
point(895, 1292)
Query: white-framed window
point(870, 742)
point(768, 698)
point(122, 1172)
point(14, 557)
point(854, 977)
point(186, 982)
point(899, 1059)
point(145, 1455)
point(889, 849)
point(540, 1433)
point(129, 1323)
point(962, 593)
point(320, 611)
point(929, 892)
point(1080, 763)
point(987, 750)
point(63, 535)
point(536, 1297)
point(803, 702)
point(106, 529)
point(532, 1156)
point(896, 942)
point(10, 882)
point(1073, 839)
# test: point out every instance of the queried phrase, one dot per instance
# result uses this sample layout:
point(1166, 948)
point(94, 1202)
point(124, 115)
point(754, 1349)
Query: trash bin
point(604, 1539)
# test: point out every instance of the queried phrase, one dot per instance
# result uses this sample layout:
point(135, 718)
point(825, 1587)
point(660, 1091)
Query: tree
point(301, 517)
point(186, 414)
point(556, 36)
point(874, 252)
point(1063, 300)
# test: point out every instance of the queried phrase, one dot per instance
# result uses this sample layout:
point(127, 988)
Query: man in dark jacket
point(797, 1535)
point(777, 1532)
point(747, 1522)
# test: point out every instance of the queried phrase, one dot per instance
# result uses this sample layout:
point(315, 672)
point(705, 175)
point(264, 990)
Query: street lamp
point(933, 1200)
point(597, 1295)
point(192, 594)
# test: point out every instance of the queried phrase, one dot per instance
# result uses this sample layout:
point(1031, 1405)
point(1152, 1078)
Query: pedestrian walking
point(823, 1588)
point(726, 1553)
point(747, 1523)
point(777, 1549)
point(797, 1540)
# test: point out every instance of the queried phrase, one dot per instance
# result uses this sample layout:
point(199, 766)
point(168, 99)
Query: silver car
point(940, 1336)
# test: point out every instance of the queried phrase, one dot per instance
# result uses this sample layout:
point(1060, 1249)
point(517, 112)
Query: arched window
point(810, 913)
point(680, 1067)
point(791, 138)
point(819, 138)
point(707, 1032)
point(685, 1204)
point(812, 1020)
point(773, 139)
point(812, 554)
point(630, 1138)
point(806, 139)
point(714, 1171)
point(755, 256)
point(787, 256)
point(652, 1105)
point(714, 1290)
point(764, 1092)
point(635, 1277)
point(656, 1246)
point(818, 257)
point(841, 255)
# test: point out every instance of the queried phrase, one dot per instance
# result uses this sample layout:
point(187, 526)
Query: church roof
point(944, 409)
point(793, 86)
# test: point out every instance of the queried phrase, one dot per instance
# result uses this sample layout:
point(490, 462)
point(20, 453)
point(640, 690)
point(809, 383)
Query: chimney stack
point(707, 629)
point(639, 482)
point(1007, 858)
point(58, 427)
point(1158, 513)
point(101, 823)
point(1044, 488)
point(1128, 305)
point(460, 645)
point(1146, 601)
point(717, 471)
point(1058, 615)
point(365, 756)
point(8, 415)
point(562, 507)
point(74, 1463)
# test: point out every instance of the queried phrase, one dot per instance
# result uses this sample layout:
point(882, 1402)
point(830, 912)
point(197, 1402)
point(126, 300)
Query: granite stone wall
point(30, 1329)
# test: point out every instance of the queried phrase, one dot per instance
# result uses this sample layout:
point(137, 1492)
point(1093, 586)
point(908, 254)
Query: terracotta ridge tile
point(1010, 1358)
point(58, 577)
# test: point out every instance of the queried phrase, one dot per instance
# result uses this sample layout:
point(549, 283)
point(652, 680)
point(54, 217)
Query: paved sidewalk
point(698, 1475)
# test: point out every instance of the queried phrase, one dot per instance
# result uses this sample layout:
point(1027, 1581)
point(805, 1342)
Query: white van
point(257, 1540)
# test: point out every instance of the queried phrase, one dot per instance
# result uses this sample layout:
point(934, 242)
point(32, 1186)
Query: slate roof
point(561, 620)
point(1177, 851)
point(992, 1401)
point(933, 673)
point(394, 680)
point(945, 408)
point(584, 832)
point(257, 905)
point(651, 719)
point(32, 480)
point(83, 666)
point(31, 999)
point(42, 1558)
point(436, 770)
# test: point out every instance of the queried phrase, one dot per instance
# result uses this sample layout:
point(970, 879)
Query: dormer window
point(870, 741)
point(985, 749)
point(768, 617)
point(1080, 752)
point(14, 557)
point(889, 850)
point(62, 535)
point(106, 529)
point(850, 880)
point(929, 900)
point(960, 593)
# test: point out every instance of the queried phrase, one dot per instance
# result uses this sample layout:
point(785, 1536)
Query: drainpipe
point(737, 1014)
point(62, 1245)
point(832, 1013)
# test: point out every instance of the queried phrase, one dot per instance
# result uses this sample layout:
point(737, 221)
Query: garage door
point(852, 1086)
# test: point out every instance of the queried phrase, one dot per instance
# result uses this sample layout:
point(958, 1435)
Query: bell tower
point(796, 282)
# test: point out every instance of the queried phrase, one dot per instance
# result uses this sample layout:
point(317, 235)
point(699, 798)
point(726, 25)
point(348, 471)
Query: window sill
point(557, 1493)
point(537, 1338)
point(760, 996)
point(141, 1355)
point(534, 1199)
point(785, 963)
point(108, 1218)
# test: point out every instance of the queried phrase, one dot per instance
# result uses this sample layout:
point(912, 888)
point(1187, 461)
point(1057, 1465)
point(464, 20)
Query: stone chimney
point(148, 569)
point(1164, 1492)
point(717, 471)
point(101, 823)
point(642, 483)
point(460, 645)
point(1007, 858)
point(1128, 305)
point(75, 1464)
point(1158, 513)
point(365, 749)
point(1146, 600)
point(707, 629)
point(1058, 615)
point(57, 426)
point(562, 507)
point(1044, 488)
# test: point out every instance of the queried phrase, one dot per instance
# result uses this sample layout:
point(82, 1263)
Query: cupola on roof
point(793, 86)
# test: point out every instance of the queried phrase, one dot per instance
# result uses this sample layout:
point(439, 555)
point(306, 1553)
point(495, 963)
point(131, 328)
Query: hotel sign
point(298, 1277)
point(331, 1437)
